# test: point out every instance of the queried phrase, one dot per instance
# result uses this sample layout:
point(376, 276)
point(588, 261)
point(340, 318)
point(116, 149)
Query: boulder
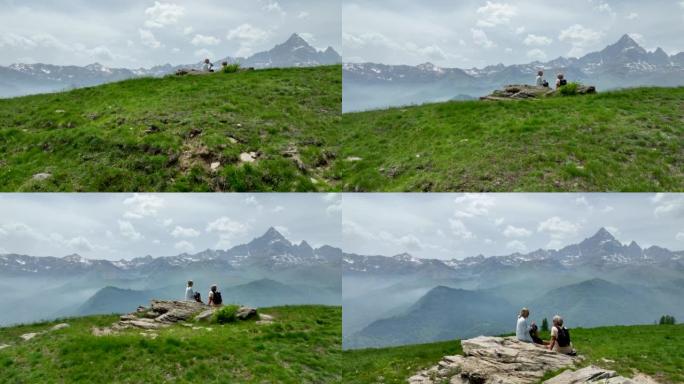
point(246, 313)
point(59, 326)
point(29, 336)
point(205, 316)
point(41, 176)
point(524, 92)
point(489, 360)
point(593, 374)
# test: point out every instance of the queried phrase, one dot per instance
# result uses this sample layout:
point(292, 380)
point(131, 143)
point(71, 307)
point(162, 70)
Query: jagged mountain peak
point(626, 41)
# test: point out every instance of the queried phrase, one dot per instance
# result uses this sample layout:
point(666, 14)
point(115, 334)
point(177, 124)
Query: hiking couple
point(529, 333)
point(215, 298)
point(560, 80)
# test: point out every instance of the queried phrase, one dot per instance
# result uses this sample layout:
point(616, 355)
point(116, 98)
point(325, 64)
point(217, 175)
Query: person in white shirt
point(540, 79)
point(208, 66)
point(522, 329)
point(189, 293)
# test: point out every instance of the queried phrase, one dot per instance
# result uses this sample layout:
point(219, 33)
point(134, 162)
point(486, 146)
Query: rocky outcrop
point(597, 375)
point(524, 92)
point(490, 360)
point(162, 314)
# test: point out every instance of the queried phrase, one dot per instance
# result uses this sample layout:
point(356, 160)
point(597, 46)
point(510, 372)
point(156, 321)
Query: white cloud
point(580, 37)
point(127, 230)
point(558, 228)
point(632, 16)
point(278, 208)
point(537, 40)
point(184, 246)
point(493, 14)
point(481, 39)
point(184, 232)
point(302, 15)
point(499, 221)
point(537, 54)
point(680, 236)
point(142, 205)
point(248, 36)
point(471, 205)
point(81, 244)
point(608, 208)
point(512, 231)
point(188, 30)
point(163, 14)
point(167, 222)
point(274, 6)
point(204, 53)
point(670, 205)
point(459, 229)
point(517, 246)
point(584, 202)
point(227, 229)
point(520, 30)
point(374, 39)
point(148, 39)
point(203, 40)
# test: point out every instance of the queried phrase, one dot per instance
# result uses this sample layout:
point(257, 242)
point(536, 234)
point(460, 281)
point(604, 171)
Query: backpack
point(563, 82)
point(563, 338)
point(545, 84)
point(197, 297)
point(217, 298)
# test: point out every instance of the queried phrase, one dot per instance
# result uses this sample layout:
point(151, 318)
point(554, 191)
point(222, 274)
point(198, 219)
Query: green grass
point(302, 346)
point(655, 350)
point(629, 140)
point(164, 134)
point(393, 365)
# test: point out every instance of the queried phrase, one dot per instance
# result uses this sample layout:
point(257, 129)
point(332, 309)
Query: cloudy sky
point(476, 33)
point(446, 226)
point(116, 226)
point(135, 33)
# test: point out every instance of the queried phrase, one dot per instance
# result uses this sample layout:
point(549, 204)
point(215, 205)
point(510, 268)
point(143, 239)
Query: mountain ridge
point(295, 52)
point(602, 249)
point(271, 250)
point(623, 64)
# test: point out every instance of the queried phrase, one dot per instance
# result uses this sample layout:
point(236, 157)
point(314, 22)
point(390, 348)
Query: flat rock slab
point(596, 375)
point(59, 326)
point(490, 360)
point(3, 346)
point(29, 336)
point(41, 176)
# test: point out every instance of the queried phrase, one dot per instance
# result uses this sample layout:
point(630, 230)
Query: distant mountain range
point(599, 281)
point(270, 252)
point(24, 79)
point(601, 251)
point(269, 270)
point(621, 65)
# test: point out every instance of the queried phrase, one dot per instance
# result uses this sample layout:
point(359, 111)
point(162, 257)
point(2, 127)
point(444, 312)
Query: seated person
point(561, 81)
point(189, 293)
point(560, 338)
point(215, 298)
point(522, 329)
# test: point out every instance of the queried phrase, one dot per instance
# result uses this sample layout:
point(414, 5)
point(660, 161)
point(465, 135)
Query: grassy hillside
point(656, 350)
point(619, 141)
point(302, 346)
point(164, 134)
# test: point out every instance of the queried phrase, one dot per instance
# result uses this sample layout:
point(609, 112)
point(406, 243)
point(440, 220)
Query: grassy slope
point(95, 139)
point(303, 346)
point(657, 351)
point(620, 141)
